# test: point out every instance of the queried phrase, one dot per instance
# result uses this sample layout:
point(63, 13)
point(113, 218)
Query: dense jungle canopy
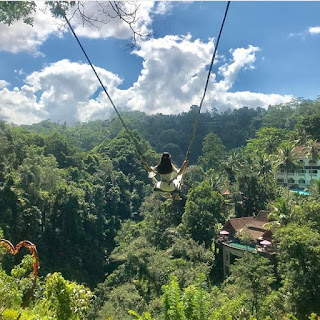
point(109, 244)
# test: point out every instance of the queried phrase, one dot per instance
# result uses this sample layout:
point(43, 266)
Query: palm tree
point(312, 152)
point(300, 136)
point(263, 165)
point(315, 188)
point(281, 210)
point(286, 159)
point(280, 213)
point(231, 166)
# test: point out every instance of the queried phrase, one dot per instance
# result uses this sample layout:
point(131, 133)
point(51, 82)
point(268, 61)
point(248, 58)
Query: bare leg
point(169, 195)
point(177, 197)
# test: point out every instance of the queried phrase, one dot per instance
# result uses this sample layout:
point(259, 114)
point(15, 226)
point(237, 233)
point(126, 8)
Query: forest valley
point(112, 248)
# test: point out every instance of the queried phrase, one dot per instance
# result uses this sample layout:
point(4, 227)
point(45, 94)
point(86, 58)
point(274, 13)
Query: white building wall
point(302, 176)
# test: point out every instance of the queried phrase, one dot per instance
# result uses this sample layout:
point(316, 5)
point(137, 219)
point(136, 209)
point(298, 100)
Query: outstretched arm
point(184, 165)
point(148, 168)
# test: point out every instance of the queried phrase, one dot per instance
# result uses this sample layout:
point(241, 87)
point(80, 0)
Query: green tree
point(213, 152)
point(253, 276)
point(280, 116)
point(286, 159)
point(281, 210)
point(311, 124)
point(267, 140)
point(312, 153)
point(64, 299)
point(253, 193)
point(191, 304)
point(11, 11)
point(299, 267)
point(202, 213)
point(315, 188)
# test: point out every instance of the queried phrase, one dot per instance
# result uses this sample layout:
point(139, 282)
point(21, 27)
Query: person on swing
point(170, 176)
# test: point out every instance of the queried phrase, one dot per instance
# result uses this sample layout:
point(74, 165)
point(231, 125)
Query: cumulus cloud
point(235, 100)
point(162, 7)
point(172, 74)
point(20, 37)
point(172, 78)
point(62, 91)
point(314, 30)
point(242, 58)
point(104, 26)
point(3, 84)
point(302, 35)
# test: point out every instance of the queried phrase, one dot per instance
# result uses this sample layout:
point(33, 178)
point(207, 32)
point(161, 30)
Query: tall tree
point(213, 152)
point(286, 159)
point(299, 267)
point(253, 276)
point(312, 152)
point(202, 213)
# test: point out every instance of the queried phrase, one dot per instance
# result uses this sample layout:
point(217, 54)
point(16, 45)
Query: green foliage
point(82, 195)
point(10, 295)
point(11, 11)
point(213, 152)
point(253, 275)
point(299, 256)
point(235, 127)
point(267, 140)
point(229, 309)
point(253, 193)
point(280, 116)
point(145, 316)
point(311, 125)
point(191, 304)
point(64, 299)
point(202, 213)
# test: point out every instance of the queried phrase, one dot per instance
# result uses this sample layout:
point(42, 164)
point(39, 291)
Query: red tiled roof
point(225, 192)
point(253, 233)
point(263, 216)
point(302, 150)
point(253, 226)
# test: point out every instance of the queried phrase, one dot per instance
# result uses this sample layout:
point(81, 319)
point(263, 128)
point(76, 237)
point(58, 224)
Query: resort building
point(301, 176)
point(244, 234)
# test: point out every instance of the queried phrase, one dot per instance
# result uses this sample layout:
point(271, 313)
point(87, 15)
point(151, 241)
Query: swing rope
point(133, 139)
point(195, 126)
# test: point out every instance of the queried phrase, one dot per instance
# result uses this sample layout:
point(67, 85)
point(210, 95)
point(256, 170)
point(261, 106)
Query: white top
point(168, 181)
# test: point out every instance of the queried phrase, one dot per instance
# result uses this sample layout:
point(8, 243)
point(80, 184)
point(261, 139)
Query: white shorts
point(165, 186)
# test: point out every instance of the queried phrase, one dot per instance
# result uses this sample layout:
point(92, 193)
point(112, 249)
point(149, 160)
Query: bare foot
point(177, 197)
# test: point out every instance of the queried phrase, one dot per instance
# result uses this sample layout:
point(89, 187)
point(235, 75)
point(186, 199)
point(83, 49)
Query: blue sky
point(268, 54)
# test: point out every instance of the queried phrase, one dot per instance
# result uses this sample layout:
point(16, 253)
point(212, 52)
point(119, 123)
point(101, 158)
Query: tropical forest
point(110, 247)
point(89, 232)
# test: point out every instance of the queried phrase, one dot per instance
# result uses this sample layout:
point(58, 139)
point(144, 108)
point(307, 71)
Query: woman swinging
point(170, 176)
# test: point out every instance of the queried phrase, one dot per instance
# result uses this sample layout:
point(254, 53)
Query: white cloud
point(105, 27)
point(3, 84)
point(20, 37)
point(172, 79)
point(235, 100)
point(302, 35)
point(20, 72)
point(242, 58)
point(58, 92)
point(19, 106)
point(163, 7)
point(314, 30)
point(172, 74)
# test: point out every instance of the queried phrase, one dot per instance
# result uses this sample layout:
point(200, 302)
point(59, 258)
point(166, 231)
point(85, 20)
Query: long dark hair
point(165, 164)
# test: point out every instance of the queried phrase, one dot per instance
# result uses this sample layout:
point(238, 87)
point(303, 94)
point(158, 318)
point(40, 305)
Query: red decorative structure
point(33, 250)
point(28, 245)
